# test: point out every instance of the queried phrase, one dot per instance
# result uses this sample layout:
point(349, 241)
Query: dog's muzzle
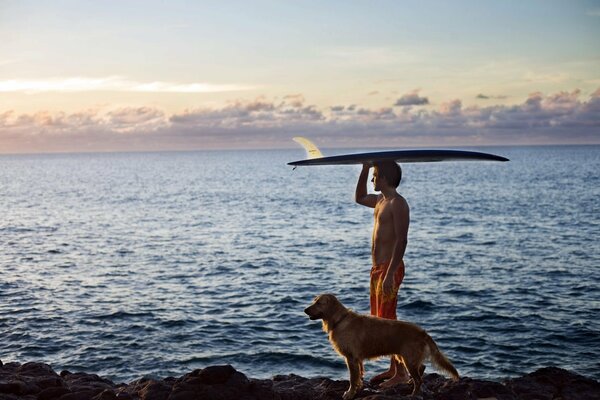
point(312, 315)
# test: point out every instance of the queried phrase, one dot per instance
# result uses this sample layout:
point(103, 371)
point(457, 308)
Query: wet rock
point(554, 383)
point(52, 393)
point(105, 395)
point(81, 381)
point(31, 381)
point(217, 374)
point(154, 390)
point(80, 395)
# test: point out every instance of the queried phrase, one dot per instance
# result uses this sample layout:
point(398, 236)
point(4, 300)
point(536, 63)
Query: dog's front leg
point(355, 378)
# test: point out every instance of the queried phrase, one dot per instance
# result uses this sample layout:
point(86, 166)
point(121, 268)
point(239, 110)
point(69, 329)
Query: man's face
point(377, 180)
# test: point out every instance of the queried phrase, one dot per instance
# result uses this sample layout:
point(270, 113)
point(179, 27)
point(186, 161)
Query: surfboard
point(315, 157)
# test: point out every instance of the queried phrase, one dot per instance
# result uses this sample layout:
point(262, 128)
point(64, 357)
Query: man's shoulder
point(399, 201)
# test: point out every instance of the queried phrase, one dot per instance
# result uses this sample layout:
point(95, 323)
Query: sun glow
point(114, 83)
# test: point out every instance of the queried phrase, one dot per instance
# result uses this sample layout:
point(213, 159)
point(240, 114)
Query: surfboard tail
point(312, 151)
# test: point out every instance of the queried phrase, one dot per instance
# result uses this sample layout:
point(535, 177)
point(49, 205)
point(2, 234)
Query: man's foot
point(382, 376)
point(399, 378)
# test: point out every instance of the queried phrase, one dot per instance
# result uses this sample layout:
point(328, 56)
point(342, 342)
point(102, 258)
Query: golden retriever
point(358, 337)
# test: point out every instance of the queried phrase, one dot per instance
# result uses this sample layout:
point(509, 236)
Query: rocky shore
point(40, 382)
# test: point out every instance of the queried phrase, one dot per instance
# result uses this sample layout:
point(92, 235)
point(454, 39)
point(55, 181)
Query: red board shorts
point(384, 305)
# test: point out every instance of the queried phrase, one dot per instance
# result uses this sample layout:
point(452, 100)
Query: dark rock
point(238, 380)
point(184, 396)
point(80, 381)
point(154, 390)
point(487, 389)
point(18, 387)
point(554, 383)
point(52, 393)
point(80, 395)
point(10, 387)
point(216, 374)
point(105, 395)
point(262, 389)
point(45, 382)
point(31, 381)
point(35, 369)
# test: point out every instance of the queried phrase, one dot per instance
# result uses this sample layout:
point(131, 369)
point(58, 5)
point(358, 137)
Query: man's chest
point(383, 213)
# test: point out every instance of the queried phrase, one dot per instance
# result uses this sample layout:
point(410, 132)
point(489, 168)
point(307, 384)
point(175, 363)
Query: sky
point(80, 76)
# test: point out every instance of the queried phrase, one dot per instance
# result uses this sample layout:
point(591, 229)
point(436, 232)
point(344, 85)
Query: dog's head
point(323, 307)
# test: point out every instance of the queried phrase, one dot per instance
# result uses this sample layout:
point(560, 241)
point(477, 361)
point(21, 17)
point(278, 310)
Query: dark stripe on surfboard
point(401, 156)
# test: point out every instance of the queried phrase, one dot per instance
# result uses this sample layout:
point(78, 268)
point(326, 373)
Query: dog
point(359, 337)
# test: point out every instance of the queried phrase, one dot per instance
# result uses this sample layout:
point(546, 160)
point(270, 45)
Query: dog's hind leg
point(354, 367)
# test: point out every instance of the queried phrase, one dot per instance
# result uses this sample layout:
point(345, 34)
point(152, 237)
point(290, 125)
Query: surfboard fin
point(312, 151)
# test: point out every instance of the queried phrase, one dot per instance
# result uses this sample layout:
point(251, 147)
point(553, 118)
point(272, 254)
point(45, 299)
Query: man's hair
point(389, 170)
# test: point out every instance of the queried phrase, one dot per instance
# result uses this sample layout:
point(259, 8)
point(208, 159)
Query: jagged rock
point(37, 381)
point(106, 395)
point(154, 390)
point(52, 393)
point(552, 383)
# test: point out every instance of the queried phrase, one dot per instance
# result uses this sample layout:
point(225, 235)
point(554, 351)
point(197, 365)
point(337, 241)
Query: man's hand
point(387, 286)
point(361, 195)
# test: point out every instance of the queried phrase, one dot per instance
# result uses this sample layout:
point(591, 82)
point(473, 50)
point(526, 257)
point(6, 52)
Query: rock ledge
point(37, 381)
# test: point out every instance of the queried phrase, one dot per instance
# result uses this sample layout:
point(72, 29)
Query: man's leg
point(387, 309)
point(377, 275)
point(401, 375)
point(390, 373)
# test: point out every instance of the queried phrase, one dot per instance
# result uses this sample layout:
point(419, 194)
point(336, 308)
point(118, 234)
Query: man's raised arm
point(361, 195)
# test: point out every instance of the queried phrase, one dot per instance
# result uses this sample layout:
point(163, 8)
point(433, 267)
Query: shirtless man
point(390, 233)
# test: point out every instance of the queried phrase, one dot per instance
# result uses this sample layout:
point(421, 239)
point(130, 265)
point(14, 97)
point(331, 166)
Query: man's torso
point(384, 236)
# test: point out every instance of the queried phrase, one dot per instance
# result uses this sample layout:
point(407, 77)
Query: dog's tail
point(439, 360)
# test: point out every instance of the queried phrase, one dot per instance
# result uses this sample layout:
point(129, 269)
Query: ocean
point(154, 264)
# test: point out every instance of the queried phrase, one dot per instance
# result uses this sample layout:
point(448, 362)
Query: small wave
point(486, 243)
point(123, 315)
point(464, 292)
point(279, 358)
point(418, 305)
point(288, 300)
point(480, 317)
point(174, 323)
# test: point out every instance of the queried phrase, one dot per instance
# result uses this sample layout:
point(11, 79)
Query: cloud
point(563, 117)
point(482, 96)
point(114, 83)
point(412, 99)
point(296, 99)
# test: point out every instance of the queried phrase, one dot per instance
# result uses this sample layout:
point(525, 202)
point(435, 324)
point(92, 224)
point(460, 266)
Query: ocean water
point(158, 263)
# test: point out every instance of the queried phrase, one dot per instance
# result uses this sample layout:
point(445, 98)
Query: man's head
point(386, 172)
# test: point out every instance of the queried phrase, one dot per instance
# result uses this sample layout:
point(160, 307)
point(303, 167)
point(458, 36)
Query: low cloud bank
point(562, 118)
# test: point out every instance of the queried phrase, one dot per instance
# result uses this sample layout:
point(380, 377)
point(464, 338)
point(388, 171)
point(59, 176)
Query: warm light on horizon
point(114, 83)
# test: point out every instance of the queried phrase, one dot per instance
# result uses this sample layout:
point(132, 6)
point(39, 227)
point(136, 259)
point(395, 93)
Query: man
point(390, 232)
